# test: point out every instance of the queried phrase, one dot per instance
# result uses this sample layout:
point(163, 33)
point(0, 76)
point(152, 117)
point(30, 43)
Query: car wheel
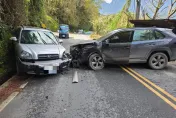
point(67, 36)
point(96, 62)
point(158, 61)
point(60, 36)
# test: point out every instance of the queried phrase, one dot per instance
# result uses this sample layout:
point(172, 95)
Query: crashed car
point(38, 51)
point(155, 46)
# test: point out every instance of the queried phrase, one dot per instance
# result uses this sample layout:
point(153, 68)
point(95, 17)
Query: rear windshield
point(37, 37)
point(64, 27)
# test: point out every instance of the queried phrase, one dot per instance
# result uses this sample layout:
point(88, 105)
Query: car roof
point(143, 28)
point(33, 28)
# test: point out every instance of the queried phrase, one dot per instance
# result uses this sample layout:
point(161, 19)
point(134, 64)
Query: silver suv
point(38, 51)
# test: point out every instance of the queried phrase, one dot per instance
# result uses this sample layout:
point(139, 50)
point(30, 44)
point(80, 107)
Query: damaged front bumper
point(44, 67)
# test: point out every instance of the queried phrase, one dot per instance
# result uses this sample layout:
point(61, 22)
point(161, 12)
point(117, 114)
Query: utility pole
point(138, 8)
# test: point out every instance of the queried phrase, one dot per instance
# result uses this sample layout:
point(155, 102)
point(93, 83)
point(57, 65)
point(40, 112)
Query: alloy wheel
point(158, 61)
point(96, 62)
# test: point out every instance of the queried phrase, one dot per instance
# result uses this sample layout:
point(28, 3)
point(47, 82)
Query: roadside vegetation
point(78, 14)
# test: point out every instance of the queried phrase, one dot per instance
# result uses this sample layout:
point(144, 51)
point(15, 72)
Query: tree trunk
point(138, 9)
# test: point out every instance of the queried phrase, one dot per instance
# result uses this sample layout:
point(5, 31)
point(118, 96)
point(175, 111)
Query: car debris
point(75, 77)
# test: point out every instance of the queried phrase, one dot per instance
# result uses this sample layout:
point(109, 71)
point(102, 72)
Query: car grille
point(48, 56)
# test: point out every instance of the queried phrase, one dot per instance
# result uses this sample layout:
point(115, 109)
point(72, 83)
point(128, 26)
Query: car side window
point(143, 35)
point(159, 35)
point(121, 37)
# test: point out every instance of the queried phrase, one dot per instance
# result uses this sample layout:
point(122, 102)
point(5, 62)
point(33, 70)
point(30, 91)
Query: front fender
point(89, 50)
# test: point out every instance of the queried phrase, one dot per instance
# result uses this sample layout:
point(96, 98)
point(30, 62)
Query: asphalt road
point(108, 93)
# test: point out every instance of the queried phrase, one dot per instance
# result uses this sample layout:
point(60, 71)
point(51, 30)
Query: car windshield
point(37, 37)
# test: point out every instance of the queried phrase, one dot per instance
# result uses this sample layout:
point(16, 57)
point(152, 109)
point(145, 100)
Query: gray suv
point(155, 46)
point(38, 51)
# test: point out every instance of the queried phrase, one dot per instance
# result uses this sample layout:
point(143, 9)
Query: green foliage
point(7, 57)
point(78, 14)
point(107, 23)
point(36, 12)
point(51, 23)
point(13, 12)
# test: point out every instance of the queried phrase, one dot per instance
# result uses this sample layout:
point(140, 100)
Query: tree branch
point(171, 10)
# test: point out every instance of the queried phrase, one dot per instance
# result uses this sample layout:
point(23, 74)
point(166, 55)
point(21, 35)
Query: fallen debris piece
point(75, 77)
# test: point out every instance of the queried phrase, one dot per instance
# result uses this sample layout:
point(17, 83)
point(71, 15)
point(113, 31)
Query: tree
point(13, 12)
point(106, 23)
point(138, 2)
point(36, 12)
point(1, 11)
point(155, 9)
point(124, 16)
point(172, 9)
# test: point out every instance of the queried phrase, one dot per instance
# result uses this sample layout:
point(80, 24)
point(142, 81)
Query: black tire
point(96, 62)
point(158, 61)
point(67, 36)
point(60, 36)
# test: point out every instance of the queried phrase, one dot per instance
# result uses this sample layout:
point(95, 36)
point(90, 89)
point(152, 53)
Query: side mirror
point(60, 41)
point(107, 41)
point(13, 39)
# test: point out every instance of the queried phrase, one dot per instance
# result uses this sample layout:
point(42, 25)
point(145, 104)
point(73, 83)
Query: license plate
point(63, 35)
point(52, 72)
point(50, 68)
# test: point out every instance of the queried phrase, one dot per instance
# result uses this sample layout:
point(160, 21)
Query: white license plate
point(52, 72)
point(50, 68)
point(63, 35)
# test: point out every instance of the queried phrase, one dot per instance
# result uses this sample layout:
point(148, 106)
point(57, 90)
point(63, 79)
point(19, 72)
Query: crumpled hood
point(36, 49)
point(87, 41)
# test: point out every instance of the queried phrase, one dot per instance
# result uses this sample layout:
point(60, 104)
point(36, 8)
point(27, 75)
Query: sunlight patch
point(108, 1)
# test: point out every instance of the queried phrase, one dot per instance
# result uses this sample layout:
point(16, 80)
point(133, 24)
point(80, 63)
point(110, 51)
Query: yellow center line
point(154, 85)
point(150, 88)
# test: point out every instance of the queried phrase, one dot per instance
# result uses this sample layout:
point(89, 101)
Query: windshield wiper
point(50, 38)
point(42, 39)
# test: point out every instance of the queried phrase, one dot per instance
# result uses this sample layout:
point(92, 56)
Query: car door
point(116, 48)
point(143, 42)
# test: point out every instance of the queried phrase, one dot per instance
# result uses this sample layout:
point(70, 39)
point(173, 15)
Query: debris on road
point(75, 77)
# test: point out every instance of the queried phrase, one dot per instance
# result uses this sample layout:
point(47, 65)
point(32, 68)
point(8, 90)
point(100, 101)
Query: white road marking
point(8, 100)
point(23, 85)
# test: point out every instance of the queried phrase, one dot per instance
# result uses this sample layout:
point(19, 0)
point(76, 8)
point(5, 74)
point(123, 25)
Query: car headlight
point(26, 55)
